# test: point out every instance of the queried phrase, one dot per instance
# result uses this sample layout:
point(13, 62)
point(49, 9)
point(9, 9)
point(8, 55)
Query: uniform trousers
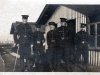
point(82, 49)
point(63, 52)
point(51, 57)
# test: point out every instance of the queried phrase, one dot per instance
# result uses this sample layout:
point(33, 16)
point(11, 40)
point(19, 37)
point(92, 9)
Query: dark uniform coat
point(63, 36)
point(51, 52)
point(63, 44)
point(23, 37)
point(81, 41)
point(51, 38)
point(38, 49)
point(38, 39)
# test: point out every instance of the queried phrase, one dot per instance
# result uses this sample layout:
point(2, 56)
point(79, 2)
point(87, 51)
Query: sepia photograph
point(48, 37)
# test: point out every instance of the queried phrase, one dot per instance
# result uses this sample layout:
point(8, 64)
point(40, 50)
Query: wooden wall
point(64, 12)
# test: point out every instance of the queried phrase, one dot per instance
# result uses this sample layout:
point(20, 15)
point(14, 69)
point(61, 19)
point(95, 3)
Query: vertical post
point(97, 58)
point(95, 35)
point(90, 57)
point(76, 20)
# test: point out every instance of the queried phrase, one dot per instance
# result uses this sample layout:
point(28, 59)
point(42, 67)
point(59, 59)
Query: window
point(92, 30)
point(94, 37)
point(98, 29)
point(98, 35)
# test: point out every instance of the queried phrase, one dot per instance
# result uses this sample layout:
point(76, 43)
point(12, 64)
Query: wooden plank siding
point(67, 13)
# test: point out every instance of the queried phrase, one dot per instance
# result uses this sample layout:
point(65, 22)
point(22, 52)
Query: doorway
point(72, 28)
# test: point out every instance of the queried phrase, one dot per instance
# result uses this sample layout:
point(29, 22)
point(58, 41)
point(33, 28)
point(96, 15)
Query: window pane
point(92, 30)
point(98, 41)
point(98, 29)
point(91, 40)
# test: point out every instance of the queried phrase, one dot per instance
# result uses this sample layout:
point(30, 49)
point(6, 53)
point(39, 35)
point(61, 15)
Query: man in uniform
point(38, 49)
point(23, 38)
point(51, 42)
point(81, 41)
point(63, 44)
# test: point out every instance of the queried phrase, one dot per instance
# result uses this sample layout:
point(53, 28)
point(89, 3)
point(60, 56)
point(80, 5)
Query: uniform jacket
point(51, 38)
point(63, 36)
point(38, 37)
point(23, 34)
point(80, 37)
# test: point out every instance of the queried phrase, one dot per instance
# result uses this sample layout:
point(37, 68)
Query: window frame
point(95, 26)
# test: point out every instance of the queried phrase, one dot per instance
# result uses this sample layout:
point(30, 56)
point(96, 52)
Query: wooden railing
point(93, 57)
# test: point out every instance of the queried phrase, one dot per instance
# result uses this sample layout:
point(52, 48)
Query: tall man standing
point(81, 41)
point(38, 49)
point(23, 38)
point(51, 42)
point(63, 43)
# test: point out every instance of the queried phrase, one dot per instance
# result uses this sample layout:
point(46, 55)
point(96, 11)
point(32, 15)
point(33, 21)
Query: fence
point(93, 57)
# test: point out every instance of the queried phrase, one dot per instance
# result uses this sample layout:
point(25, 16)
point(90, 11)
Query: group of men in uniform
point(58, 41)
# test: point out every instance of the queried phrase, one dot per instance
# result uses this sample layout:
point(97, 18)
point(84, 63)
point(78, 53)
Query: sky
point(11, 11)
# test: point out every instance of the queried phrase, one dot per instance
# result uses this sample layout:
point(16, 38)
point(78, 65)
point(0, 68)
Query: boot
point(22, 65)
point(28, 65)
point(86, 67)
point(75, 68)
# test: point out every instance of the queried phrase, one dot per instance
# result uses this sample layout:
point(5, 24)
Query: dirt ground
point(9, 61)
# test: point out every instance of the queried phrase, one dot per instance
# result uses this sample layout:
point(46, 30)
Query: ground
point(8, 56)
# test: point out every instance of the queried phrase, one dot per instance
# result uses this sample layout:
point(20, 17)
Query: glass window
point(98, 41)
point(98, 29)
point(92, 29)
point(91, 41)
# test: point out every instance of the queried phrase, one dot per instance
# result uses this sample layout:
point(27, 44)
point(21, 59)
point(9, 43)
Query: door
point(72, 26)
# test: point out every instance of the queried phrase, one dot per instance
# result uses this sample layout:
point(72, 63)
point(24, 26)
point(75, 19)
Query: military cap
point(52, 23)
point(25, 16)
point(83, 25)
point(63, 19)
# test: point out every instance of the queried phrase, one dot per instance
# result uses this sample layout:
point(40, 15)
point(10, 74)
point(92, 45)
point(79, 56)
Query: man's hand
point(17, 44)
point(38, 42)
point(32, 53)
point(82, 41)
point(32, 50)
point(31, 45)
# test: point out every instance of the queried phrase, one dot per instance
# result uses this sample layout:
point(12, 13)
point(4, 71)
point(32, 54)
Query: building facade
point(88, 14)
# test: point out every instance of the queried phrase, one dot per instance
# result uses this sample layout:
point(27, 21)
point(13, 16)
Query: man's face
point(52, 27)
point(24, 20)
point(63, 23)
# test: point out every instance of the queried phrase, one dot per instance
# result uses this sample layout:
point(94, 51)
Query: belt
point(23, 36)
point(84, 42)
point(38, 42)
point(64, 38)
point(52, 40)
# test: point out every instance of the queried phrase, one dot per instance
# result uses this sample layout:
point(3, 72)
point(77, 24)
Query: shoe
point(22, 70)
point(27, 69)
point(56, 70)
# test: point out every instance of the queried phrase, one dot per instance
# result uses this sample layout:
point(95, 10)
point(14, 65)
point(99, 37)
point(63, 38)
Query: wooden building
point(32, 24)
point(88, 14)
